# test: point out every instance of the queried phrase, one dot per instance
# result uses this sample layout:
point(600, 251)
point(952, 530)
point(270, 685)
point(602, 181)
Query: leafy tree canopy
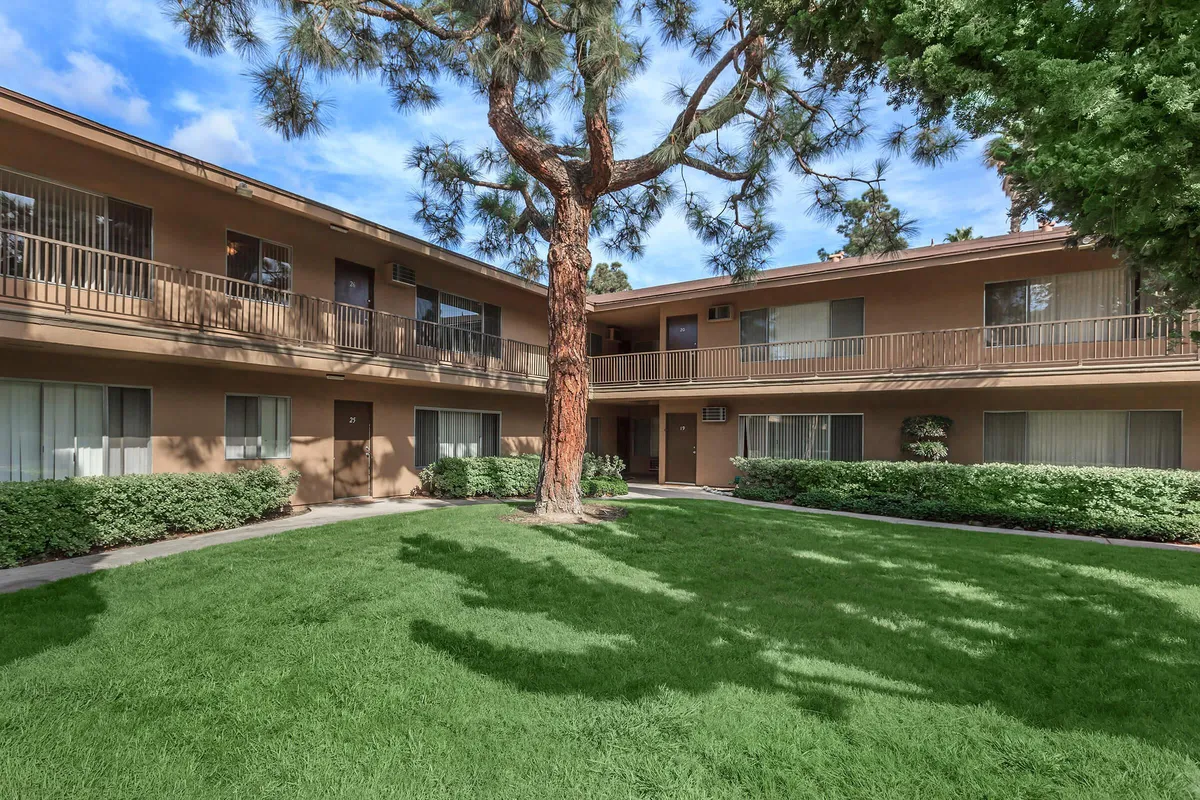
point(1098, 103)
point(871, 226)
point(961, 235)
point(607, 278)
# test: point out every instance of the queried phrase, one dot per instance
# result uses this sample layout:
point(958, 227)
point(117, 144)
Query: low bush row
point(1130, 503)
point(72, 517)
point(514, 476)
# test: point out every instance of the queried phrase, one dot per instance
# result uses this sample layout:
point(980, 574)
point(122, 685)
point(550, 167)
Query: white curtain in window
point(1080, 295)
point(128, 431)
point(459, 434)
point(1084, 438)
point(58, 431)
point(276, 426)
point(20, 431)
point(89, 430)
point(805, 322)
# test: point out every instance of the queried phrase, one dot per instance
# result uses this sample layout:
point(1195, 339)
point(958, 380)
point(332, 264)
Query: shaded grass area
point(691, 649)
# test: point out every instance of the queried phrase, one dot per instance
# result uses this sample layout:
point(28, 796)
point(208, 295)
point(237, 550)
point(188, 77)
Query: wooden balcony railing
point(44, 273)
point(1130, 338)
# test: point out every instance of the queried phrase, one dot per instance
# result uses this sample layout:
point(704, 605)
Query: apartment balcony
point(46, 278)
point(968, 356)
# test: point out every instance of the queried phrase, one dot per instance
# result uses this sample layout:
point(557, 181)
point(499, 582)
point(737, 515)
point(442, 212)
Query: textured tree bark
point(564, 436)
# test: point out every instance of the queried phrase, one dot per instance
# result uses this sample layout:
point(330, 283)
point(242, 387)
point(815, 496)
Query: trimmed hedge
point(74, 516)
point(1130, 503)
point(502, 476)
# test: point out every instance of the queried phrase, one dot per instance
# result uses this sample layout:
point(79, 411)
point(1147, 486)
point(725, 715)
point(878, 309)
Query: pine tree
point(607, 278)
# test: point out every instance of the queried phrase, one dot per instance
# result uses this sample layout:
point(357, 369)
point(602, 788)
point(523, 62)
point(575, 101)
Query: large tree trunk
point(565, 434)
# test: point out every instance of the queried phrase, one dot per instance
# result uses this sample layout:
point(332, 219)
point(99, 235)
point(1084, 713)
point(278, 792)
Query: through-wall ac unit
point(722, 313)
point(713, 414)
point(612, 334)
point(403, 274)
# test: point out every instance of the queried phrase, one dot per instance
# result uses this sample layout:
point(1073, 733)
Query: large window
point(593, 435)
point(72, 430)
point(1088, 295)
point(447, 433)
point(811, 325)
point(38, 207)
point(1084, 438)
point(824, 437)
point(258, 426)
point(267, 265)
point(464, 325)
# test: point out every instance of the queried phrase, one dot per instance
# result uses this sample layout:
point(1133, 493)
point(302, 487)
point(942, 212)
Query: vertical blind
point(455, 434)
point(66, 430)
point(1084, 438)
point(809, 323)
point(1056, 298)
point(258, 427)
point(469, 326)
point(824, 437)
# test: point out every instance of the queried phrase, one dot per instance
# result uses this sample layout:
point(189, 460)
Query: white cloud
point(214, 136)
point(86, 83)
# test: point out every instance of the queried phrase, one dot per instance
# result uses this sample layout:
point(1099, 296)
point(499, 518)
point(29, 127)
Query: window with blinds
point(1091, 295)
point(1084, 438)
point(265, 264)
point(257, 427)
point(806, 330)
point(823, 437)
point(39, 207)
point(50, 431)
point(465, 325)
point(593, 435)
point(447, 433)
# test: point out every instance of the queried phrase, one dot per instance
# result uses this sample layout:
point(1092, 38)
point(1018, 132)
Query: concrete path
point(645, 491)
point(16, 578)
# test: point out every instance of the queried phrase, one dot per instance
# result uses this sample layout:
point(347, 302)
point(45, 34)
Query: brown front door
point(351, 449)
point(681, 335)
point(681, 448)
point(354, 292)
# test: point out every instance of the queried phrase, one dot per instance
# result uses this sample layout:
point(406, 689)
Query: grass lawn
point(693, 649)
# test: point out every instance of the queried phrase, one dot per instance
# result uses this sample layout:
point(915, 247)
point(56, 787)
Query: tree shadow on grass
point(1055, 634)
point(46, 617)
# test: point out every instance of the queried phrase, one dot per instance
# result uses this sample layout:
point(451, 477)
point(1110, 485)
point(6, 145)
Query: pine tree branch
point(715, 171)
point(549, 20)
point(393, 11)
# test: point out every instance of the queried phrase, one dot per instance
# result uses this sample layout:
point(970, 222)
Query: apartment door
point(354, 291)
point(682, 333)
point(681, 448)
point(351, 449)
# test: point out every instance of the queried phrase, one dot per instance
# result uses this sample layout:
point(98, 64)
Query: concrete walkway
point(16, 578)
point(645, 491)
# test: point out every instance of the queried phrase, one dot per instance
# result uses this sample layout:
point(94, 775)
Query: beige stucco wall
point(188, 415)
point(884, 411)
point(191, 218)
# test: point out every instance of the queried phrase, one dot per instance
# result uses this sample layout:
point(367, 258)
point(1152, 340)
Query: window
point(645, 437)
point(267, 265)
point(825, 437)
point(466, 326)
point(257, 427)
point(804, 330)
point(595, 344)
point(38, 207)
point(1092, 295)
point(446, 433)
point(72, 430)
point(1084, 438)
point(593, 435)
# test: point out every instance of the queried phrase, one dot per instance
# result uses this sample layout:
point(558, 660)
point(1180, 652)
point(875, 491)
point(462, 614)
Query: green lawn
point(694, 649)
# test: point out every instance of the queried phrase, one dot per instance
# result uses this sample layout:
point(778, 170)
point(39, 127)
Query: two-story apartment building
point(158, 313)
point(1038, 352)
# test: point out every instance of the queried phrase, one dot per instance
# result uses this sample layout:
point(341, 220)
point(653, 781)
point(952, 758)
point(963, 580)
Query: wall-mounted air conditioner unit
point(403, 274)
point(722, 313)
point(713, 414)
point(612, 334)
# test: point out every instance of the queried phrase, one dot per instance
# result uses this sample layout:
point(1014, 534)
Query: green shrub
point(602, 466)
point(71, 517)
point(512, 476)
point(1130, 503)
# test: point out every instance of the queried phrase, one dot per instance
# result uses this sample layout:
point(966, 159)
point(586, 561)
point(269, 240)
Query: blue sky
point(122, 63)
